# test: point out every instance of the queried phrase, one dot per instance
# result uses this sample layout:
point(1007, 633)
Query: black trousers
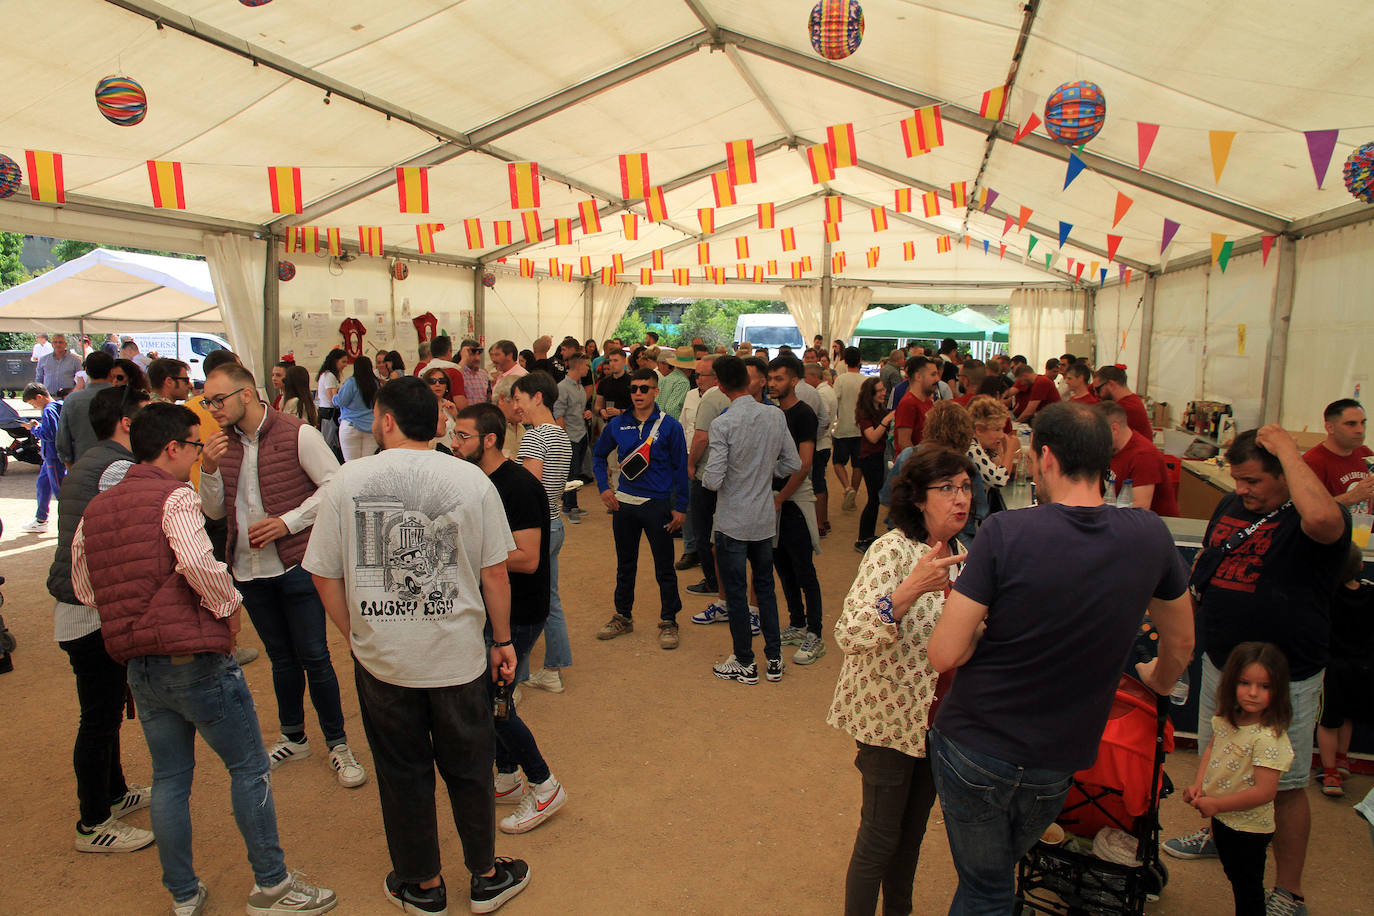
point(873, 467)
point(650, 519)
point(411, 730)
point(795, 562)
point(1242, 858)
point(703, 508)
point(898, 792)
point(101, 688)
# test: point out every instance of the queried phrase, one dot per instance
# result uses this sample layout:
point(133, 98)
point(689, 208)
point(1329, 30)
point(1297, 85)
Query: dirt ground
point(687, 794)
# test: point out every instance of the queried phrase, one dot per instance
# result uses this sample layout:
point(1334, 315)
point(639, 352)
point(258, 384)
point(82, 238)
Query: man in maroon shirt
point(923, 374)
point(972, 374)
point(1032, 393)
point(1109, 382)
point(1339, 460)
point(1136, 459)
point(1079, 379)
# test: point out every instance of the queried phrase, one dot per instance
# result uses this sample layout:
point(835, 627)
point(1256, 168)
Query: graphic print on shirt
point(1240, 569)
point(353, 330)
point(406, 548)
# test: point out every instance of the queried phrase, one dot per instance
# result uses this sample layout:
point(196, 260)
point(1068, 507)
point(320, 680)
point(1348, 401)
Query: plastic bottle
point(1111, 488)
point(1126, 498)
point(1179, 695)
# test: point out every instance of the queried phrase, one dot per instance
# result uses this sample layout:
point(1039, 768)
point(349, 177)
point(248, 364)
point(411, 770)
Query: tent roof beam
point(728, 227)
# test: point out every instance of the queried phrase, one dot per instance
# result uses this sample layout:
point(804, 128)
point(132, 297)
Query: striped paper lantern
point(11, 176)
point(837, 27)
point(121, 100)
point(1359, 173)
point(1075, 112)
point(400, 270)
point(286, 271)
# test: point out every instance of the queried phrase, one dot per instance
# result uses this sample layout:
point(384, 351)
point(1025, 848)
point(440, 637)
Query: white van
point(768, 330)
point(191, 347)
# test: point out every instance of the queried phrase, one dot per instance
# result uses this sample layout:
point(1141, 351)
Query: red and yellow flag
point(923, 131)
point(584, 266)
point(554, 268)
point(724, 190)
point(657, 258)
point(834, 209)
point(302, 240)
point(562, 231)
point(424, 235)
point(590, 215)
point(797, 270)
point(567, 273)
point(703, 252)
point(682, 276)
point(370, 240)
point(530, 221)
point(879, 215)
point(741, 271)
point(766, 216)
point(873, 257)
point(524, 185)
point(634, 176)
point(45, 177)
point(903, 203)
point(472, 228)
point(707, 218)
point(283, 181)
point(843, 151)
point(943, 244)
point(335, 238)
point(958, 194)
point(631, 223)
point(646, 277)
point(607, 276)
point(412, 187)
point(657, 207)
point(994, 103)
point(758, 273)
point(832, 231)
point(526, 267)
point(169, 192)
point(908, 251)
point(772, 268)
point(818, 157)
point(930, 202)
point(500, 230)
point(618, 263)
point(739, 161)
point(742, 246)
point(718, 275)
point(789, 239)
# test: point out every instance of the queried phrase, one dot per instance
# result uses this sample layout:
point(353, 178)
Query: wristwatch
point(884, 606)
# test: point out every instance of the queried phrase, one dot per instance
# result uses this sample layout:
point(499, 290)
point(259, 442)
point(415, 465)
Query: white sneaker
point(538, 805)
point(113, 836)
point(35, 527)
point(510, 788)
point(547, 679)
point(812, 648)
point(196, 905)
point(285, 749)
point(136, 799)
point(349, 771)
point(291, 896)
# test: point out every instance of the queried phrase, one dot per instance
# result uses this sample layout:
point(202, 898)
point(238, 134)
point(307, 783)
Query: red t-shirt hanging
point(353, 331)
point(1143, 464)
point(1336, 472)
point(426, 326)
point(1137, 418)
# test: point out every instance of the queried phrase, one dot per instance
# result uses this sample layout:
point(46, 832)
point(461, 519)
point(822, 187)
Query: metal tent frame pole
point(1280, 318)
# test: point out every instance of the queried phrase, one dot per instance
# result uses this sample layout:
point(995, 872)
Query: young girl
point(1239, 773)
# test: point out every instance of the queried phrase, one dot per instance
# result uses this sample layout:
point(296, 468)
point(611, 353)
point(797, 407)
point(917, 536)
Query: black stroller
point(23, 443)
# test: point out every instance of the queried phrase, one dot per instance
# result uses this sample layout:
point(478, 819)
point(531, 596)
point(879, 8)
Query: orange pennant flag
point(703, 252)
point(908, 251)
point(1123, 203)
point(834, 209)
point(742, 246)
point(424, 235)
point(472, 228)
point(789, 239)
point(631, 223)
point(766, 215)
point(500, 230)
point(562, 231)
point(930, 202)
point(412, 187)
point(618, 263)
point(739, 160)
point(1002, 253)
point(335, 238)
point(634, 176)
point(840, 139)
point(724, 190)
point(657, 207)
point(707, 218)
point(646, 277)
point(958, 194)
point(994, 103)
point(526, 267)
point(584, 266)
point(283, 181)
point(169, 192)
point(879, 215)
point(524, 185)
point(818, 158)
point(903, 202)
point(1220, 141)
point(370, 240)
point(529, 220)
point(658, 258)
point(1023, 217)
point(590, 216)
point(832, 231)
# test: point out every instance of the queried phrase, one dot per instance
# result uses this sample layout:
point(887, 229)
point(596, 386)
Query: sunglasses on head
point(641, 389)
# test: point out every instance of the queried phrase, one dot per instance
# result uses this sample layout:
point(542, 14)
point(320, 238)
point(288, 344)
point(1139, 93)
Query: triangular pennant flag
point(1049, 259)
point(524, 185)
point(707, 218)
point(562, 232)
point(840, 139)
point(472, 229)
point(1076, 166)
point(994, 103)
point(1031, 123)
point(742, 246)
point(169, 192)
point(1126, 277)
point(789, 239)
point(958, 194)
point(724, 190)
point(1320, 145)
point(412, 188)
point(589, 214)
point(989, 197)
point(902, 204)
point(529, 220)
point(657, 207)
point(1113, 243)
point(930, 202)
point(879, 215)
point(1102, 281)
point(1033, 242)
point(1064, 230)
point(1023, 217)
point(1001, 252)
point(1093, 267)
point(1071, 263)
point(1266, 246)
point(1220, 142)
point(634, 176)
point(1224, 256)
point(1123, 203)
point(968, 240)
point(1218, 240)
point(819, 160)
point(1007, 224)
point(631, 223)
point(739, 161)
point(283, 182)
point(985, 246)
point(703, 252)
point(834, 209)
point(501, 231)
point(1078, 271)
point(766, 216)
point(1170, 230)
point(1145, 140)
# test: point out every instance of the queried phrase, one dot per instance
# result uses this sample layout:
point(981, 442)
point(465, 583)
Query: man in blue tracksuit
point(650, 497)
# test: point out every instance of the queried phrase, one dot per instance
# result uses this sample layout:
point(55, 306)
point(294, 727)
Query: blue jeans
point(731, 556)
point(579, 451)
point(650, 519)
point(288, 615)
point(205, 695)
point(557, 647)
point(50, 476)
point(994, 813)
point(515, 744)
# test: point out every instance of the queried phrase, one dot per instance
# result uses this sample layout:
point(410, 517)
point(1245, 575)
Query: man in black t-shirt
point(613, 399)
point(480, 431)
point(1274, 586)
point(795, 501)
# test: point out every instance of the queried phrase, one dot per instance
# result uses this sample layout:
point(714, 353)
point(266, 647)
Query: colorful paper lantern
point(837, 27)
point(11, 176)
point(1359, 173)
point(1075, 112)
point(489, 280)
point(399, 270)
point(285, 271)
point(121, 100)
point(255, 2)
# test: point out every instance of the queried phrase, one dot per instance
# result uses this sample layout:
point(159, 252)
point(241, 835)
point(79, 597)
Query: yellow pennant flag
point(657, 257)
point(797, 270)
point(908, 251)
point(837, 263)
point(591, 218)
point(524, 185)
point(832, 231)
point(526, 267)
point(584, 266)
point(283, 181)
point(806, 262)
point(553, 267)
point(634, 176)
point(500, 229)
point(370, 240)
point(903, 202)
point(607, 276)
point(412, 187)
point(943, 244)
point(562, 231)
point(567, 273)
point(1220, 141)
point(758, 273)
point(1218, 242)
point(335, 240)
point(739, 158)
point(682, 276)
point(424, 236)
point(772, 268)
point(618, 263)
point(818, 157)
point(873, 257)
point(718, 275)
point(472, 228)
point(741, 271)
point(840, 139)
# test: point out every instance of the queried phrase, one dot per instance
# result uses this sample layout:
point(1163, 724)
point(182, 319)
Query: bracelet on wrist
point(884, 606)
point(502, 645)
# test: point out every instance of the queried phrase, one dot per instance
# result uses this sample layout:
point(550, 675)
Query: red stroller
point(1122, 790)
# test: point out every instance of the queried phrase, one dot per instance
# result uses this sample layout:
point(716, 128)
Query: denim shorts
point(1306, 695)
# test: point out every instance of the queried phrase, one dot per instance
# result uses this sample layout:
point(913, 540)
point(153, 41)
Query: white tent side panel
point(1040, 319)
point(1176, 345)
point(1332, 330)
point(1116, 327)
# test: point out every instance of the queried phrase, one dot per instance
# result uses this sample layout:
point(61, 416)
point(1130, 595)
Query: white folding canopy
point(349, 91)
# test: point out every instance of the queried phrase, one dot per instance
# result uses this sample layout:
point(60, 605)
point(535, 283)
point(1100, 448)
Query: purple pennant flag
point(1076, 166)
point(1170, 229)
point(1120, 271)
point(1320, 145)
point(987, 203)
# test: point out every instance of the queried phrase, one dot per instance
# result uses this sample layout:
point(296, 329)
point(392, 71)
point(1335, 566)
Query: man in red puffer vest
point(169, 611)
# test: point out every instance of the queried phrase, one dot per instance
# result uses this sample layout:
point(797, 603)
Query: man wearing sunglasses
point(476, 383)
point(650, 498)
point(1109, 384)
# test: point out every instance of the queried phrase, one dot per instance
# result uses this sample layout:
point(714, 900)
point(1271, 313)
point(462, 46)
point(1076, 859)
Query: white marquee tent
point(348, 92)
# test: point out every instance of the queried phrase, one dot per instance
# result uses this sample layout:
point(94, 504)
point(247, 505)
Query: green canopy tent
point(914, 322)
point(1000, 334)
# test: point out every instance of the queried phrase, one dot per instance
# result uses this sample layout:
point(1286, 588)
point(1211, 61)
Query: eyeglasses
point(199, 446)
point(217, 403)
point(181, 378)
point(438, 381)
point(477, 350)
point(464, 436)
point(949, 489)
point(641, 389)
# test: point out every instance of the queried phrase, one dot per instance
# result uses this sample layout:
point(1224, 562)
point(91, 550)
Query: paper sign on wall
point(336, 306)
point(317, 324)
point(297, 324)
point(466, 323)
point(405, 308)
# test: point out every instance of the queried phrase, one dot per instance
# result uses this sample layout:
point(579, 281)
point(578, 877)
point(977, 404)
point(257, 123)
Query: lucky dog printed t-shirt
point(409, 532)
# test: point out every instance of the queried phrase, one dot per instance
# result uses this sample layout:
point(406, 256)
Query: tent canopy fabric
point(918, 322)
point(106, 291)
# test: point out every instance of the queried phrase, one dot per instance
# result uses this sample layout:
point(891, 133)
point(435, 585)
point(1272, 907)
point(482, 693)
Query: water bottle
point(1126, 498)
point(1111, 488)
point(1179, 695)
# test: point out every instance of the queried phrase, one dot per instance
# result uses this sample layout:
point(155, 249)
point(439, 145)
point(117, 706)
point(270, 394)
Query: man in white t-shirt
point(846, 442)
point(408, 553)
point(41, 349)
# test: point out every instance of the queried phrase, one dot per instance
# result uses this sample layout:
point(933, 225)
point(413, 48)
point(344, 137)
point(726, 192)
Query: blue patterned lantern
point(1359, 173)
point(489, 280)
point(121, 100)
point(286, 271)
point(837, 27)
point(1075, 112)
point(10, 176)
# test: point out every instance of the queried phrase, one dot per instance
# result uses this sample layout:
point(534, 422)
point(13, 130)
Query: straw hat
point(685, 357)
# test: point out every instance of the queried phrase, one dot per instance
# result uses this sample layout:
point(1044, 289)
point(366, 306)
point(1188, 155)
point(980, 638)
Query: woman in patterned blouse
point(887, 690)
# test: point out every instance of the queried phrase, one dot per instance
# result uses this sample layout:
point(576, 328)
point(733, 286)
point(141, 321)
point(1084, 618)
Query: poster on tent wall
point(467, 325)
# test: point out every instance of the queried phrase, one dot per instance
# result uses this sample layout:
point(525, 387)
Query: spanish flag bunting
point(567, 273)
point(554, 269)
point(911, 137)
point(634, 176)
point(789, 239)
point(994, 103)
point(646, 277)
point(908, 251)
point(840, 139)
point(524, 185)
point(631, 223)
point(707, 273)
point(741, 271)
point(943, 244)
point(958, 194)
point(682, 276)
point(1007, 224)
point(562, 231)
point(724, 190)
point(169, 192)
point(584, 266)
point(718, 275)
point(879, 215)
point(930, 128)
point(806, 261)
point(335, 239)
point(1113, 243)
point(283, 181)
point(1220, 141)
point(591, 218)
point(618, 263)
point(370, 240)
point(472, 228)
point(45, 177)
point(742, 246)
point(607, 276)
point(707, 218)
point(657, 257)
point(302, 239)
point(772, 268)
point(530, 221)
point(834, 209)
point(930, 202)
point(766, 215)
point(703, 252)
point(797, 270)
point(1123, 203)
point(818, 158)
point(424, 235)
point(872, 257)
point(832, 231)
point(836, 264)
point(526, 267)
point(903, 201)
point(412, 187)
point(657, 207)
point(758, 273)
point(500, 230)
point(739, 161)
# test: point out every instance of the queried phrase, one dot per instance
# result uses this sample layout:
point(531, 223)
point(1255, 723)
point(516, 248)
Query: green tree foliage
point(631, 328)
point(70, 249)
point(12, 273)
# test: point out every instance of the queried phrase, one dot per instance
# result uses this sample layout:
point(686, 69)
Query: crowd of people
point(421, 511)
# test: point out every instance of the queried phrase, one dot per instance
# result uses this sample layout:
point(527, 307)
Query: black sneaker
point(489, 893)
point(411, 898)
point(701, 588)
point(687, 561)
point(774, 670)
